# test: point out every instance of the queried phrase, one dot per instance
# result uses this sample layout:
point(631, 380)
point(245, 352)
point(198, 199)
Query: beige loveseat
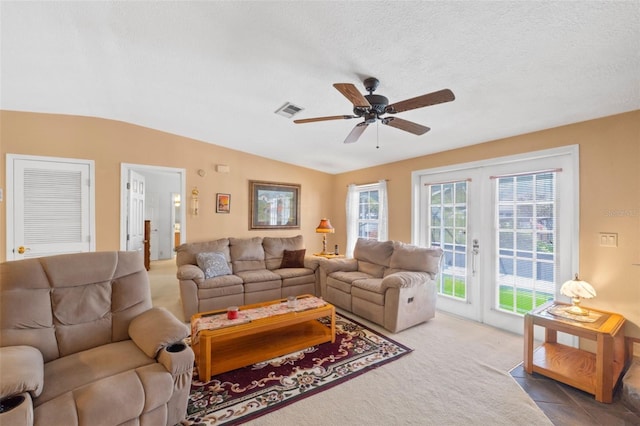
point(389, 283)
point(247, 270)
point(80, 344)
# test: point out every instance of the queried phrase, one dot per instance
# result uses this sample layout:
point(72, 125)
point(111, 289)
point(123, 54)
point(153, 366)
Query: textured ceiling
point(217, 71)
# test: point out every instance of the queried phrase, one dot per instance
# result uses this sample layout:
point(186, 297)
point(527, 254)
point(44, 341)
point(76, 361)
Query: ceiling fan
point(371, 107)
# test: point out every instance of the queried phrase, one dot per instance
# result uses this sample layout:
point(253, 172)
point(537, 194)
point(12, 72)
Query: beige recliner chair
point(80, 344)
point(390, 283)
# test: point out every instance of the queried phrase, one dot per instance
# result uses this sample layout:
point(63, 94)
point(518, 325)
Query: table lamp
point(324, 228)
point(577, 289)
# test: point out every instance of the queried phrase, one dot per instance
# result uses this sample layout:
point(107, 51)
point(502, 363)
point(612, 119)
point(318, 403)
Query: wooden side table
point(329, 255)
point(596, 373)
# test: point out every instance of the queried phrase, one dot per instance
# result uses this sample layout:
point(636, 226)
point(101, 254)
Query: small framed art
point(223, 203)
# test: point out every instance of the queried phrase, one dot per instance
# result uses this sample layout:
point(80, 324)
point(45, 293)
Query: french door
point(508, 229)
point(450, 201)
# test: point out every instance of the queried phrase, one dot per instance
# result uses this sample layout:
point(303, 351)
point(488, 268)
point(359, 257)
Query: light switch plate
point(608, 239)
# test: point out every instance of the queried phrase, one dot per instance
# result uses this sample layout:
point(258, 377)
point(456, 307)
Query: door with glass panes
point(504, 230)
point(448, 201)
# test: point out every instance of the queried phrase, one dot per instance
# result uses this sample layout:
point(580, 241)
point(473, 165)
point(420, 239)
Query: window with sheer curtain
point(366, 213)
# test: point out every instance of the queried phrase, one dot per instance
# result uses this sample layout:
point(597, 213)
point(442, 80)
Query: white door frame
point(124, 177)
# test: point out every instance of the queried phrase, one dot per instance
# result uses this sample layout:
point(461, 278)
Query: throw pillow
point(213, 264)
point(293, 259)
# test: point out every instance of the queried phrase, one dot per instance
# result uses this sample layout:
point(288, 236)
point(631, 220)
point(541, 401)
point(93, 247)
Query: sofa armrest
point(311, 262)
point(17, 410)
point(405, 279)
point(155, 329)
point(333, 265)
point(21, 370)
point(177, 358)
point(189, 272)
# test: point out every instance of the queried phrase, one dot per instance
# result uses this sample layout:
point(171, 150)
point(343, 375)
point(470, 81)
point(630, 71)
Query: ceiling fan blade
point(356, 132)
point(351, 92)
point(331, 117)
point(434, 98)
point(407, 126)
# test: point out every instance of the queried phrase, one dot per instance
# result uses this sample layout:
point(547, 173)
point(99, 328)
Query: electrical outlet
point(608, 239)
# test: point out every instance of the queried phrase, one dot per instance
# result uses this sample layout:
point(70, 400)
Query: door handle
point(475, 251)
point(22, 249)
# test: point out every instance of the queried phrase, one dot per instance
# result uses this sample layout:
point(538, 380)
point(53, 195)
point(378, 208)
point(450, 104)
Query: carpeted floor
point(456, 375)
point(236, 396)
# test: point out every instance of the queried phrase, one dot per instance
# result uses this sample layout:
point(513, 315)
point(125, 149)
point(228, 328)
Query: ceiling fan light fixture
point(288, 110)
point(371, 107)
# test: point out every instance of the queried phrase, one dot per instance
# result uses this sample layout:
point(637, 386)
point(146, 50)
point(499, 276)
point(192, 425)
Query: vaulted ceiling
point(217, 71)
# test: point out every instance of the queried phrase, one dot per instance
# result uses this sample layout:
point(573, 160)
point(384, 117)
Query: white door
point(532, 238)
point(135, 228)
point(450, 200)
point(504, 229)
point(158, 179)
point(50, 206)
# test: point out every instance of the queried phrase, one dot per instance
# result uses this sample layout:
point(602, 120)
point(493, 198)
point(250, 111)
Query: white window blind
point(526, 238)
point(53, 200)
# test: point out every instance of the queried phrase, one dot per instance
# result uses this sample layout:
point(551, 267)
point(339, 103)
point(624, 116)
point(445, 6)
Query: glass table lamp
point(577, 290)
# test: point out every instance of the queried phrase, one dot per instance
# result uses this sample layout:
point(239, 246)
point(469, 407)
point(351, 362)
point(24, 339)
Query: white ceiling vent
point(288, 110)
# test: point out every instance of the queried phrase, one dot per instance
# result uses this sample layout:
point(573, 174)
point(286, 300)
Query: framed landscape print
point(223, 203)
point(274, 205)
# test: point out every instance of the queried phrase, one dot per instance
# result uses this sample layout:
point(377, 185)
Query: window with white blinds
point(526, 240)
point(448, 230)
point(52, 206)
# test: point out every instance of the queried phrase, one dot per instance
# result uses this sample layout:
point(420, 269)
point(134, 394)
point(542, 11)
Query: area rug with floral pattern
point(246, 393)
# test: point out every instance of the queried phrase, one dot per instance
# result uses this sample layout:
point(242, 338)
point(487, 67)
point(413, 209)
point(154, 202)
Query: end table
point(329, 255)
point(595, 373)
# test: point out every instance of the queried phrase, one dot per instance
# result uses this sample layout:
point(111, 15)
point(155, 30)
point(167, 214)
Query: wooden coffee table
point(262, 331)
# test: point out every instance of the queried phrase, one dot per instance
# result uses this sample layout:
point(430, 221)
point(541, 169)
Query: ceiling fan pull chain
point(377, 135)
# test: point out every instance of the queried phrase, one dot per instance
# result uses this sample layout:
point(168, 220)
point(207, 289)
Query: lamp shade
point(325, 227)
point(577, 288)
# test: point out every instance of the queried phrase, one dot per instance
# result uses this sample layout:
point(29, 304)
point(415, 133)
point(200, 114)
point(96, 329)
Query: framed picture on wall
point(223, 203)
point(274, 205)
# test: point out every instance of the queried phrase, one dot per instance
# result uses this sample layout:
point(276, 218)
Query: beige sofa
point(257, 269)
point(389, 283)
point(80, 344)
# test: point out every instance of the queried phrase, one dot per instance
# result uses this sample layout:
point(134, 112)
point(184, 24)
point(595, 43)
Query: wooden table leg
point(550, 336)
point(204, 368)
point(333, 325)
point(604, 368)
point(528, 344)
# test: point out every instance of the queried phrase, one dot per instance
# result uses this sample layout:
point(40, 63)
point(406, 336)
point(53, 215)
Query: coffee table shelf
point(225, 349)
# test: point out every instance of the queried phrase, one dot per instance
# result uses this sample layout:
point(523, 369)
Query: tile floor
point(567, 406)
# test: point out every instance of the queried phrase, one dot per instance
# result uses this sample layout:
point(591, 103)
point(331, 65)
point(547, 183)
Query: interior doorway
point(163, 207)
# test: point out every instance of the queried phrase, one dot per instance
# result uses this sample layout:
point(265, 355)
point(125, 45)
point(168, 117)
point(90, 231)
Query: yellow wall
point(609, 199)
point(609, 182)
point(110, 143)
